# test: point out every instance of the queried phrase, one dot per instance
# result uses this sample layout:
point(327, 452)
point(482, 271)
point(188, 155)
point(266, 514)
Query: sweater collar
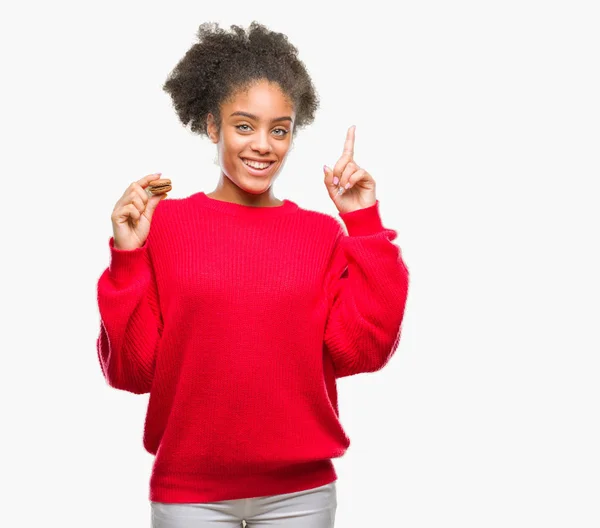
point(247, 211)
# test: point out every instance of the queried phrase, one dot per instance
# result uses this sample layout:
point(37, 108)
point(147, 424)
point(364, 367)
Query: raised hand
point(132, 214)
point(349, 186)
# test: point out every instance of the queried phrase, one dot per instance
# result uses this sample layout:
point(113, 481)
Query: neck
point(227, 191)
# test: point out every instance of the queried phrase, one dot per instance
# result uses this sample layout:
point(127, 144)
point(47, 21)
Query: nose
point(261, 143)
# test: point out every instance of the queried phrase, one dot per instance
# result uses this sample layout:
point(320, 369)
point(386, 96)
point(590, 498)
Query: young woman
point(236, 311)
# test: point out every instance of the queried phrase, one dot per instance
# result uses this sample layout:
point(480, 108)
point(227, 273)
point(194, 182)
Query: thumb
point(152, 204)
point(332, 188)
point(329, 177)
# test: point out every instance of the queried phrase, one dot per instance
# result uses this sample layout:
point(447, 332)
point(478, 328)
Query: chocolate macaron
point(160, 186)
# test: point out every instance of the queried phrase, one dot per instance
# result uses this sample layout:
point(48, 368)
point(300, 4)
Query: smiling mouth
point(257, 165)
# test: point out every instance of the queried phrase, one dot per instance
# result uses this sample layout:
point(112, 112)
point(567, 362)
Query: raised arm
point(130, 320)
point(367, 287)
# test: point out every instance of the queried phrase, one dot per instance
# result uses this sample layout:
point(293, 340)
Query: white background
point(479, 122)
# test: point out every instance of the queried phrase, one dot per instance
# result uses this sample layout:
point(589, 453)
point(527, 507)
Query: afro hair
point(223, 62)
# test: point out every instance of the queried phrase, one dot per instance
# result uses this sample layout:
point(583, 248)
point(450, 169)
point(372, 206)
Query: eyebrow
point(252, 116)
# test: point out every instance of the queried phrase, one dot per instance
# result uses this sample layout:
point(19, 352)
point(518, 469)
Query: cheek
point(283, 148)
point(233, 145)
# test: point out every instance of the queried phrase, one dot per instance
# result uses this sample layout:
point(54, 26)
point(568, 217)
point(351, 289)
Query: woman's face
point(256, 128)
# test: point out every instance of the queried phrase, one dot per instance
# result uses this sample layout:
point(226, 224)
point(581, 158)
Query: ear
point(211, 128)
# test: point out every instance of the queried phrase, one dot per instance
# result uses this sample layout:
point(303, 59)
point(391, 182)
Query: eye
point(283, 131)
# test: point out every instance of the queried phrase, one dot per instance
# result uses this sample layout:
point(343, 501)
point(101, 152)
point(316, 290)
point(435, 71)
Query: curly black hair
point(223, 62)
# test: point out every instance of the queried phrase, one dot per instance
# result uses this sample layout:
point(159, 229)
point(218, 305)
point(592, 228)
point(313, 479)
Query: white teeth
point(256, 164)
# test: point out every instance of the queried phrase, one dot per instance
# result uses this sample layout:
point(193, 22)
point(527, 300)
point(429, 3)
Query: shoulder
point(168, 208)
point(322, 223)
point(167, 216)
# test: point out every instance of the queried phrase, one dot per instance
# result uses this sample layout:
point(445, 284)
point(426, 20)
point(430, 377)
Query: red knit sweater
point(237, 320)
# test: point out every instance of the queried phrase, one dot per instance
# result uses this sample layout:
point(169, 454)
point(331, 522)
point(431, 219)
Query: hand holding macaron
point(133, 212)
point(350, 187)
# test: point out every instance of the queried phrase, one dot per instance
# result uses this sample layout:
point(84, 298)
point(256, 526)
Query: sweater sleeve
point(130, 320)
point(366, 288)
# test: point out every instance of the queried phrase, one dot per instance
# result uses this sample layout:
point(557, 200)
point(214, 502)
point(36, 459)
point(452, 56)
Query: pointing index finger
point(349, 144)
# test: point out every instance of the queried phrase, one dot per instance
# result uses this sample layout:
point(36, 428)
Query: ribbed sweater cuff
point(365, 221)
point(126, 264)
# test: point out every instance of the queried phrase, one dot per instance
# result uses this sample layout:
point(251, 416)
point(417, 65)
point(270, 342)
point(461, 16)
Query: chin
point(253, 185)
point(259, 187)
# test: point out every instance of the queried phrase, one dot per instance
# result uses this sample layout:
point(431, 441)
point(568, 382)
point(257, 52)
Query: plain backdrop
point(479, 122)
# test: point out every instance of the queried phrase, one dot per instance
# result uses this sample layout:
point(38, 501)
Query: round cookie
point(160, 186)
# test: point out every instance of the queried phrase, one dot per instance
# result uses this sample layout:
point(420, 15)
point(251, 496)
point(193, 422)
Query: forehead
point(264, 99)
